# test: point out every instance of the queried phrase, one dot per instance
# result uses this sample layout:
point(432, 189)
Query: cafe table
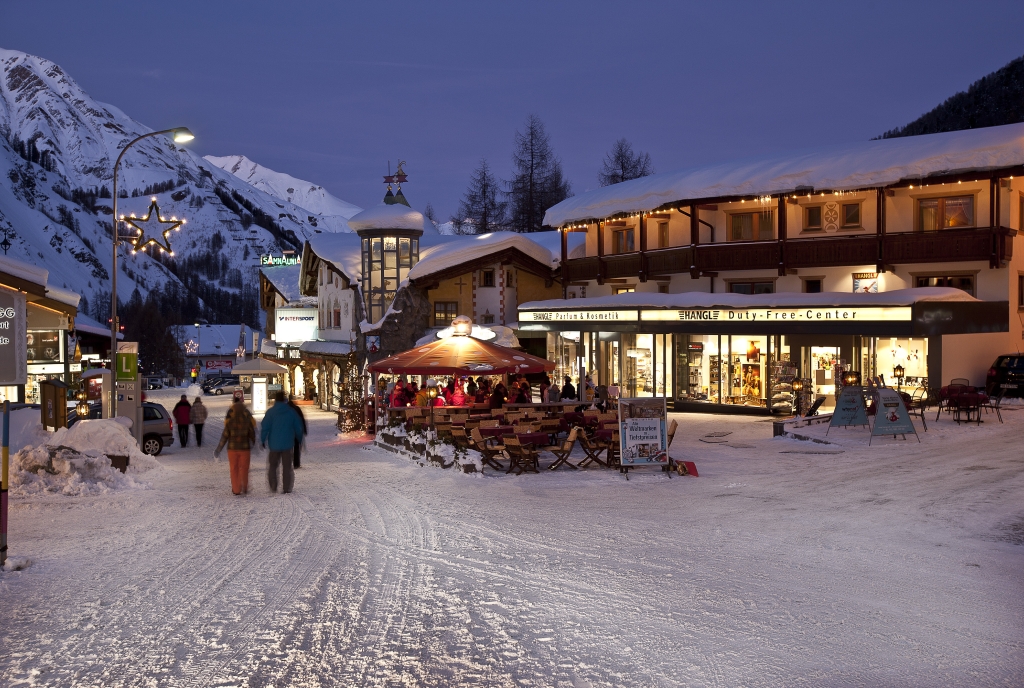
point(496, 431)
point(537, 439)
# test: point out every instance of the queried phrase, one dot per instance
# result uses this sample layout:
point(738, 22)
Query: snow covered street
point(785, 563)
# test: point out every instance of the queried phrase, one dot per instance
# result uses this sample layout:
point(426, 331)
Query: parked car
point(223, 386)
point(219, 380)
point(155, 383)
point(157, 426)
point(1006, 376)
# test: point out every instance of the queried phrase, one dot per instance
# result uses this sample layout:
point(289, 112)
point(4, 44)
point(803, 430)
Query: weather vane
point(163, 226)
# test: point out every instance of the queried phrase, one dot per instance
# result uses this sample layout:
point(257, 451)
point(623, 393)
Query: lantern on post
point(898, 373)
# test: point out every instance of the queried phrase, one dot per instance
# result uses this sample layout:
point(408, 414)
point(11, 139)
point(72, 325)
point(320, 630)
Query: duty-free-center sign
point(709, 315)
point(13, 339)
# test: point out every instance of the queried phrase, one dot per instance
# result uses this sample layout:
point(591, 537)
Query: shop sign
point(891, 418)
point(865, 283)
point(643, 438)
point(578, 316)
point(13, 339)
point(220, 365)
point(295, 324)
point(269, 260)
point(127, 362)
point(52, 368)
point(791, 314)
point(695, 347)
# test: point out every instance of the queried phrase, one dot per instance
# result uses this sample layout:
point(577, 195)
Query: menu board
point(642, 435)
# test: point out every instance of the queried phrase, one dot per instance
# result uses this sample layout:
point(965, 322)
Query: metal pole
point(3, 481)
point(113, 278)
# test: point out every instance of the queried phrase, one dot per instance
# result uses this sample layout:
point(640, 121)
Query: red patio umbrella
point(461, 355)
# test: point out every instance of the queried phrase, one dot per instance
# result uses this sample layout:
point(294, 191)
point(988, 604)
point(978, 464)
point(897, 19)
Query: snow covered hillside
point(57, 150)
point(327, 211)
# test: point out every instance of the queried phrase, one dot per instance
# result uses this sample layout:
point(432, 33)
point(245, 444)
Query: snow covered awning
point(842, 167)
point(905, 312)
point(326, 348)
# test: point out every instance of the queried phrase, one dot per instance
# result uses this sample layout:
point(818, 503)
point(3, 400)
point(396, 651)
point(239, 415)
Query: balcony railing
point(992, 244)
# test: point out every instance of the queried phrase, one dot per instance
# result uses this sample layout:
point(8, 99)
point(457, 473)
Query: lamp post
point(180, 135)
point(898, 372)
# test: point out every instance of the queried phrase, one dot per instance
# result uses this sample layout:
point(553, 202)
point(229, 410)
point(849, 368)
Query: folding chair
point(521, 457)
point(562, 451)
point(593, 448)
point(490, 448)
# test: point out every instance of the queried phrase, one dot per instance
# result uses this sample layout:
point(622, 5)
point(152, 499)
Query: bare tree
point(481, 210)
point(537, 182)
point(622, 164)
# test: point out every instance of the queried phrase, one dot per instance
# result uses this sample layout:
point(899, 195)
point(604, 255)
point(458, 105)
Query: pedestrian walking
point(182, 416)
point(197, 414)
point(280, 428)
point(240, 437)
point(305, 430)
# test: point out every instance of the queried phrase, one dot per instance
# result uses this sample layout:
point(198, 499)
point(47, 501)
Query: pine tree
point(481, 210)
point(622, 164)
point(537, 182)
point(429, 213)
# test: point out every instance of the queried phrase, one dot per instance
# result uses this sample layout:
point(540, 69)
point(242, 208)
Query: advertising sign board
point(13, 353)
point(643, 438)
point(850, 409)
point(127, 362)
point(220, 365)
point(259, 395)
point(295, 324)
point(892, 417)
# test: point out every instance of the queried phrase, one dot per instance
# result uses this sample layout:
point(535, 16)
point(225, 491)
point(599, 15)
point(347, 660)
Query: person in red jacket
point(182, 416)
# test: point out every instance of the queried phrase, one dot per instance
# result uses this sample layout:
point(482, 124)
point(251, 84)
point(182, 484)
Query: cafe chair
point(593, 448)
point(521, 457)
point(490, 448)
point(562, 451)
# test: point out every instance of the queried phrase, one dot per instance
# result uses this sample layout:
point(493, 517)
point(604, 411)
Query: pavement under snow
point(785, 563)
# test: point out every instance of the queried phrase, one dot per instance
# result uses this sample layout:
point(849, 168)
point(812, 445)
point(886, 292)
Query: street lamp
point(898, 372)
point(180, 135)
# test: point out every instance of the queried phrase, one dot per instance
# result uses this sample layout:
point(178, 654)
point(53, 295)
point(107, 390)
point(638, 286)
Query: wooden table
point(534, 438)
point(497, 431)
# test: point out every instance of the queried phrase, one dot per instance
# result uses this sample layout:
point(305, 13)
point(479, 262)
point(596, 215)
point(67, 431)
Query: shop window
point(851, 215)
point(624, 290)
point(487, 278)
point(941, 213)
point(751, 226)
point(622, 241)
point(812, 286)
point(965, 282)
point(445, 312)
point(752, 287)
point(662, 235)
point(812, 218)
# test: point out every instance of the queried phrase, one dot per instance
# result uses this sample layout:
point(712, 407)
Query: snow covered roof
point(215, 340)
point(344, 251)
point(285, 279)
point(700, 299)
point(839, 167)
point(39, 276)
point(330, 348)
point(83, 323)
point(544, 247)
point(396, 216)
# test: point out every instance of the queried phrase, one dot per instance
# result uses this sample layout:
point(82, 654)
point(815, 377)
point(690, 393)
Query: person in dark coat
point(280, 429)
point(568, 391)
point(305, 429)
point(182, 416)
point(498, 397)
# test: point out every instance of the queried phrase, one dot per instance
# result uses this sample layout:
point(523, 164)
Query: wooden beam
point(600, 252)
point(782, 235)
point(643, 248)
point(561, 265)
point(880, 195)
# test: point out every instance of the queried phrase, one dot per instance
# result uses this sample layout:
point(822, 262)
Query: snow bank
point(75, 461)
point(194, 391)
point(26, 429)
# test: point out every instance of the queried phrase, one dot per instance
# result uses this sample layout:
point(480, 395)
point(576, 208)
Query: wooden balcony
point(992, 244)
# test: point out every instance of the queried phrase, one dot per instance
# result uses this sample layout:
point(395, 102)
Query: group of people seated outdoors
point(467, 391)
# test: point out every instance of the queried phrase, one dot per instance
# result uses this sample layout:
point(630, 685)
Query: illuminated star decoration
point(141, 240)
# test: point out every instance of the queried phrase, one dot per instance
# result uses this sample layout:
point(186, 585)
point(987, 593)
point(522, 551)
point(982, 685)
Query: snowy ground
point(785, 563)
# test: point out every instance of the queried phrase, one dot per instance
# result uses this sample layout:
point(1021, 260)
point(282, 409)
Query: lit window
point(445, 312)
point(662, 235)
point(940, 213)
point(624, 290)
point(851, 215)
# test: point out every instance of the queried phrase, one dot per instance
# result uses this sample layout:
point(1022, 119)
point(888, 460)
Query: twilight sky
point(330, 91)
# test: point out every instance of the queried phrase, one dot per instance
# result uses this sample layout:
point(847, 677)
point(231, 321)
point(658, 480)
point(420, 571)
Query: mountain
point(992, 100)
point(327, 211)
point(57, 150)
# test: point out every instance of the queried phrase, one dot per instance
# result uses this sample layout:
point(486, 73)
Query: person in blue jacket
point(281, 429)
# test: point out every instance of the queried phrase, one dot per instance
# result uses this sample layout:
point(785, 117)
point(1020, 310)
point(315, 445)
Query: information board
point(850, 408)
point(13, 339)
point(891, 418)
point(643, 438)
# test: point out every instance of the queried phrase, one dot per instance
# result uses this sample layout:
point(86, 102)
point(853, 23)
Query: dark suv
point(157, 427)
point(1006, 376)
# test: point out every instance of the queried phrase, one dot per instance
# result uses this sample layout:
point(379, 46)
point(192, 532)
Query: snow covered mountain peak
point(330, 210)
